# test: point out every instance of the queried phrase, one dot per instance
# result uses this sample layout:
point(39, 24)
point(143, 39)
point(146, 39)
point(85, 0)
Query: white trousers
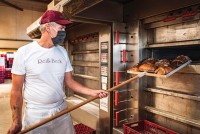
point(60, 125)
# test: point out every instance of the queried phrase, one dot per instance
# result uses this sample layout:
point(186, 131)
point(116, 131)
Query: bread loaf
point(183, 58)
point(163, 70)
point(135, 68)
point(177, 63)
point(147, 67)
point(149, 60)
point(162, 62)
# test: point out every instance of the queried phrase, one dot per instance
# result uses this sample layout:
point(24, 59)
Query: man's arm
point(77, 87)
point(16, 102)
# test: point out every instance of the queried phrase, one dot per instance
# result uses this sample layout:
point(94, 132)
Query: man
point(43, 67)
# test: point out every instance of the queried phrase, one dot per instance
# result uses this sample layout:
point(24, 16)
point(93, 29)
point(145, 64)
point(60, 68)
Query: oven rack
point(163, 76)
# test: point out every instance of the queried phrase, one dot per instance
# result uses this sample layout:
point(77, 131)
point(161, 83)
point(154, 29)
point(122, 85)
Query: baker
point(39, 72)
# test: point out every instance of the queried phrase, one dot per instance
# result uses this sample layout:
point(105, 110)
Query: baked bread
point(135, 68)
point(149, 60)
point(182, 58)
point(179, 60)
point(177, 63)
point(162, 62)
point(163, 70)
point(147, 67)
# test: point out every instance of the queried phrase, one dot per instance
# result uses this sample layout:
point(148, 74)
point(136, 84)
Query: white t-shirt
point(44, 70)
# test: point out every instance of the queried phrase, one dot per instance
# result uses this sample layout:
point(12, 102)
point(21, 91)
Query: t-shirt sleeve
point(18, 66)
point(69, 66)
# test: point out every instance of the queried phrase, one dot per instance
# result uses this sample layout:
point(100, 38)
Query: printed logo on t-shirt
point(49, 60)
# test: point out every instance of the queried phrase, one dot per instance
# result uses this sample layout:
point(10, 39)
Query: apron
point(61, 125)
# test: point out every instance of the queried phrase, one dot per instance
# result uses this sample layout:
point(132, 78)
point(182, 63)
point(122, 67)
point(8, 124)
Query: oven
point(172, 102)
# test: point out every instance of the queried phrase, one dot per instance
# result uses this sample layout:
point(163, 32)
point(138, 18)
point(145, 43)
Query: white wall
point(13, 24)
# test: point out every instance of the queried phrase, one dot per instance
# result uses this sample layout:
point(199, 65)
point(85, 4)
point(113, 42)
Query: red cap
point(54, 16)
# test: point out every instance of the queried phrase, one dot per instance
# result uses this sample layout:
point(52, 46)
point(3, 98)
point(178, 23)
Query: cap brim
point(63, 22)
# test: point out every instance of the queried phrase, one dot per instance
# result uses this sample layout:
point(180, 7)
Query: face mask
point(59, 38)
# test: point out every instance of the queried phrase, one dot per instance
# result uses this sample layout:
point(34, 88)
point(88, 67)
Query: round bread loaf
point(162, 62)
point(182, 58)
point(150, 60)
point(135, 68)
point(179, 60)
point(163, 70)
point(177, 63)
point(147, 67)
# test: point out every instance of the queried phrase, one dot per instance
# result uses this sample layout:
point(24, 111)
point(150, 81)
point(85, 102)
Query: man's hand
point(77, 87)
point(101, 93)
point(15, 128)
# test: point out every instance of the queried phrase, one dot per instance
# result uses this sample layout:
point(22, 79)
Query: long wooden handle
point(76, 106)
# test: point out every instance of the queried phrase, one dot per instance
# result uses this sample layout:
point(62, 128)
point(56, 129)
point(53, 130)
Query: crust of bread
point(135, 68)
point(149, 61)
point(163, 70)
point(177, 63)
point(162, 62)
point(182, 58)
point(147, 67)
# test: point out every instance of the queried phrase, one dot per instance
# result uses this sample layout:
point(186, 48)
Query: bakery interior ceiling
point(83, 11)
point(123, 1)
point(39, 5)
point(96, 9)
point(35, 5)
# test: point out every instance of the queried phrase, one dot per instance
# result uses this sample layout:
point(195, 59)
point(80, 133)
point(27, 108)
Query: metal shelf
point(180, 118)
point(85, 63)
point(157, 22)
point(174, 44)
point(193, 96)
point(85, 52)
point(126, 43)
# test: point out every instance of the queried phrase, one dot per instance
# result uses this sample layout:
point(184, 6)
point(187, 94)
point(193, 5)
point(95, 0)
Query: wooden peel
point(77, 106)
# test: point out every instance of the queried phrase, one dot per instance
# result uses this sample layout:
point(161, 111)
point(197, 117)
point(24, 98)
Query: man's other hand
point(101, 93)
